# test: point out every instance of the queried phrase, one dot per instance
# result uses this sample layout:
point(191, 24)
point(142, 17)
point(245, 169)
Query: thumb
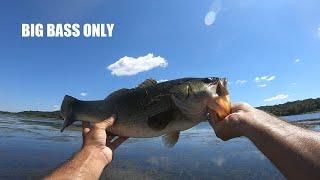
point(105, 123)
point(222, 129)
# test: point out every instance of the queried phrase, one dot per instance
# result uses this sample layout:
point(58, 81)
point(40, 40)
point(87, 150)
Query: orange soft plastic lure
point(225, 104)
point(220, 105)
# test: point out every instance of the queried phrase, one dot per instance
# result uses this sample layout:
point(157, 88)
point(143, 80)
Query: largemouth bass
point(154, 109)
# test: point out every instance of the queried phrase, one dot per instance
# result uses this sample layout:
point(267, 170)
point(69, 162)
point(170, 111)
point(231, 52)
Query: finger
point(85, 127)
point(214, 118)
point(105, 123)
point(221, 129)
point(239, 107)
point(217, 127)
point(116, 143)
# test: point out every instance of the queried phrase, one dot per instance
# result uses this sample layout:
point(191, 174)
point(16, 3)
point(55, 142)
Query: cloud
point(162, 80)
point(128, 66)
point(318, 32)
point(264, 78)
point(240, 82)
point(214, 10)
point(262, 85)
point(277, 97)
point(297, 60)
point(84, 94)
point(56, 107)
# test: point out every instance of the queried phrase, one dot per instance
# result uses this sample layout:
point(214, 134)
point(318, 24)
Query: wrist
point(250, 123)
point(257, 121)
point(96, 154)
point(247, 129)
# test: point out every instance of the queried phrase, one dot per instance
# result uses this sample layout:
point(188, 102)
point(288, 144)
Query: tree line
point(293, 108)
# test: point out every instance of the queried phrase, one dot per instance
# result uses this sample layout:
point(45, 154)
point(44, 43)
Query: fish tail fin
point(66, 111)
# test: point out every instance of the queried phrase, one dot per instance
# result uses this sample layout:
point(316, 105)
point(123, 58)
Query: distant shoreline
point(311, 122)
point(40, 114)
point(53, 116)
point(307, 106)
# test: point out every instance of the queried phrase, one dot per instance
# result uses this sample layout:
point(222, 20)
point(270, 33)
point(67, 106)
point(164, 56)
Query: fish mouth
point(212, 81)
point(220, 104)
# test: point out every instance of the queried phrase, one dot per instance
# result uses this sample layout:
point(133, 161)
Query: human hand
point(234, 125)
point(95, 138)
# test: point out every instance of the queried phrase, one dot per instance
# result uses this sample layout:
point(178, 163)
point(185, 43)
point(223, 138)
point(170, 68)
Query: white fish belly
point(142, 129)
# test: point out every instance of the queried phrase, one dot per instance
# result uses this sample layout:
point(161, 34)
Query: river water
point(32, 147)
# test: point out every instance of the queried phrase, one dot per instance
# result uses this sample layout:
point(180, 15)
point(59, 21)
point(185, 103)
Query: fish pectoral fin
point(171, 139)
point(159, 121)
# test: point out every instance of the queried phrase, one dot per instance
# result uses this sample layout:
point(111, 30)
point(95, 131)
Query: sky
point(269, 50)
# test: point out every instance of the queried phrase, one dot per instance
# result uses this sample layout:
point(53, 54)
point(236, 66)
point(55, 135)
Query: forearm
point(294, 150)
point(86, 164)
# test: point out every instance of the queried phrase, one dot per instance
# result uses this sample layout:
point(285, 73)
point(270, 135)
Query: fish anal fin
point(147, 83)
point(171, 138)
point(160, 121)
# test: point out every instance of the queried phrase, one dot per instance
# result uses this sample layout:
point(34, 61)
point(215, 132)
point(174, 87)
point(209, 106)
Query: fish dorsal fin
point(159, 121)
point(170, 139)
point(147, 83)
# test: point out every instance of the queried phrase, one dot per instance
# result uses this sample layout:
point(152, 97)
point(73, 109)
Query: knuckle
point(243, 105)
point(234, 117)
point(95, 125)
